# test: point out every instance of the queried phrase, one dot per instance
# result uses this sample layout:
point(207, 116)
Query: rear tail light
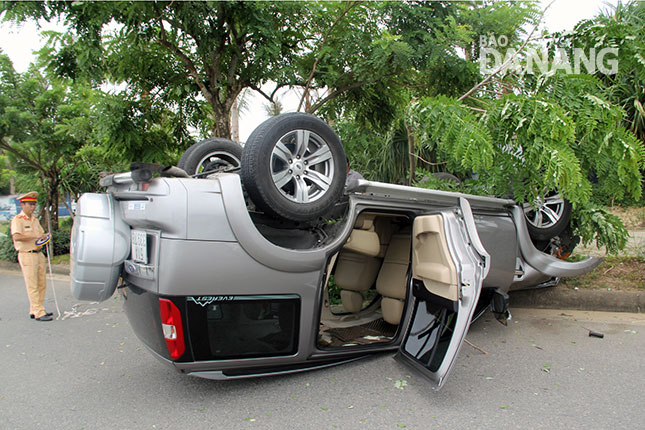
point(173, 330)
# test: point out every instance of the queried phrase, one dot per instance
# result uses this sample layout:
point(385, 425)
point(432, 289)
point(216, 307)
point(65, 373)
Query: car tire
point(211, 156)
point(294, 167)
point(548, 217)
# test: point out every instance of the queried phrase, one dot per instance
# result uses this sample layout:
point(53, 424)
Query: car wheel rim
point(216, 162)
point(546, 212)
point(302, 166)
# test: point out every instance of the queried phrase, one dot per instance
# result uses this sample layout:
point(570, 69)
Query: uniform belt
point(32, 251)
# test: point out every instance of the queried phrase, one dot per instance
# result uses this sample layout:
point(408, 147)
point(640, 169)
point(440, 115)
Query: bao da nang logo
point(495, 54)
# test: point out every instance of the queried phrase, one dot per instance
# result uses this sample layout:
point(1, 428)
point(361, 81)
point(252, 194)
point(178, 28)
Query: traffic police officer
point(25, 231)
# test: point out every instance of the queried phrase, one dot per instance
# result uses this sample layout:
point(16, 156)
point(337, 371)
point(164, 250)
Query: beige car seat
point(358, 264)
point(392, 278)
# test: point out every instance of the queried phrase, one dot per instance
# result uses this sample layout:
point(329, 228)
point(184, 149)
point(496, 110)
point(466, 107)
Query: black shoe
point(32, 316)
point(44, 318)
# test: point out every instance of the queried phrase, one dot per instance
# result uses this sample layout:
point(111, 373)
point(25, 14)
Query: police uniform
point(31, 259)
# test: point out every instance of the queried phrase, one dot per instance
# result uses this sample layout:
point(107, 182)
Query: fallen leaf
point(401, 383)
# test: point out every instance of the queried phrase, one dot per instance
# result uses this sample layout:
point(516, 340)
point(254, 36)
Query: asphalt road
point(87, 370)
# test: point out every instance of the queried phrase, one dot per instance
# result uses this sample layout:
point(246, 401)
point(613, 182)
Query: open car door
point(449, 264)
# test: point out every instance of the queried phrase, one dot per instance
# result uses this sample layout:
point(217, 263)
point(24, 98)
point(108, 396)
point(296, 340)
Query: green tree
point(177, 52)
point(621, 27)
point(433, 48)
point(552, 138)
point(34, 111)
point(196, 57)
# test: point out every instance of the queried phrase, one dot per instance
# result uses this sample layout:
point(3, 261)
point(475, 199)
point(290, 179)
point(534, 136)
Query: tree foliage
point(363, 58)
point(177, 52)
point(59, 135)
point(34, 113)
point(621, 27)
point(528, 145)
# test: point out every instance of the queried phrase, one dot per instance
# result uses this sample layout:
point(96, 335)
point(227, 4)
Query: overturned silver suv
point(263, 261)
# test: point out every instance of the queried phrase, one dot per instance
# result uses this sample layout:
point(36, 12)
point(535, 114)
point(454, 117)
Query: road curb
point(586, 300)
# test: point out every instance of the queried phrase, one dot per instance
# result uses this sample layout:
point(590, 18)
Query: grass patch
point(60, 259)
point(614, 273)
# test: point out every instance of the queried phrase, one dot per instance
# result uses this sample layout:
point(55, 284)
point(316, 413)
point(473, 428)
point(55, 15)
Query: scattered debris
point(401, 383)
point(476, 347)
point(75, 313)
point(594, 333)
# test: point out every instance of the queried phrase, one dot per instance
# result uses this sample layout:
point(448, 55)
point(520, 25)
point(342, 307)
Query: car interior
point(366, 284)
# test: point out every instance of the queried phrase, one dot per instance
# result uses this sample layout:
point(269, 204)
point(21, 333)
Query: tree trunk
point(221, 124)
point(12, 180)
point(222, 115)
point(235, 122)
point(411, 154)
point(51, 205)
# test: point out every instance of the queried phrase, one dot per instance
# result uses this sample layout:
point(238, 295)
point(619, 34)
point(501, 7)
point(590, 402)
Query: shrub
point(60, 242)
point(7, 251)
point(65, 224)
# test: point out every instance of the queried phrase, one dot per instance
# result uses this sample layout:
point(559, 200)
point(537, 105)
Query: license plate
point(139, 246)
